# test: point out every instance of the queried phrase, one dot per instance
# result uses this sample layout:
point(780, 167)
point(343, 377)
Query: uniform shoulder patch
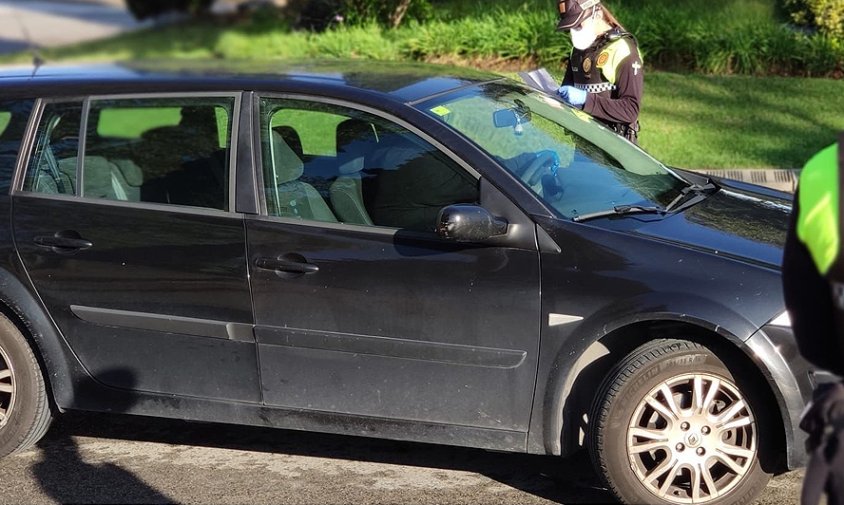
point(603, 58)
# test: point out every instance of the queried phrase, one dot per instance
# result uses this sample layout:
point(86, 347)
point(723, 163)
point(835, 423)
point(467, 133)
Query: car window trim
point(167, 207)
point(259, 154)
point(246, 177)
point(26, 147)
point(80, 154)
point(35, 120)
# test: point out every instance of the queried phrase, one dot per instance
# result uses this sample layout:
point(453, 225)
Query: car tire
point(673, 424)
point(25, 413)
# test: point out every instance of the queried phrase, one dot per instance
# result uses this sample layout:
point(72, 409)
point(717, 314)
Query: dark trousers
point(824, 422)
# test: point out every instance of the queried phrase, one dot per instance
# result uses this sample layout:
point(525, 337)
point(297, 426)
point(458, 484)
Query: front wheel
point(673, 425)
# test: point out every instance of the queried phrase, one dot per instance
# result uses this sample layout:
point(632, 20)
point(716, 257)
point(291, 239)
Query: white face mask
point(584, 36)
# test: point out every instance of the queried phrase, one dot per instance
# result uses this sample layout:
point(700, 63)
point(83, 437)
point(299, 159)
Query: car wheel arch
point(570, 395)
point(54, 357)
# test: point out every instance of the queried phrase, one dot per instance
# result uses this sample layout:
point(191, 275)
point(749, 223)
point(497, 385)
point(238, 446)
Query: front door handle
point(63, 242)
point(290, 263)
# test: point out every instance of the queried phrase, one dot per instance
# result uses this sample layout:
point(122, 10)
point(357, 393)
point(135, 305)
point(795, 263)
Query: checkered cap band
point(596, 88)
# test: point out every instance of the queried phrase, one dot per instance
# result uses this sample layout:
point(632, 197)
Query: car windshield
point(567, 158)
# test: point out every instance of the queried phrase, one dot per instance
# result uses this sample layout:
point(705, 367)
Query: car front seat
point(291, 197)
point(356, 140)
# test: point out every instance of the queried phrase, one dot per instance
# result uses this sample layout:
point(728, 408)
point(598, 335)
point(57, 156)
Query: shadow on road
point(560, 480)
point(66, 478)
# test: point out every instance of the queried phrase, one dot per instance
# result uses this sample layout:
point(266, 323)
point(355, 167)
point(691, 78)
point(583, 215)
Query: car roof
point(403, 82)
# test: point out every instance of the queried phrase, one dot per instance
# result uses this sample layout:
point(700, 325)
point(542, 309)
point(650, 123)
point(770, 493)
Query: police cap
point(573, 12)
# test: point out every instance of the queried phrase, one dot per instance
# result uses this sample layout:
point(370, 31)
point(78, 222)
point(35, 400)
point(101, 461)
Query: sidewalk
point(113, 3)
point(779, 179)
point(50, 23)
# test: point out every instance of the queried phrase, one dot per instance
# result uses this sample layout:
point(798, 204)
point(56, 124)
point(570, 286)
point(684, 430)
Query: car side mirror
point(469, 223)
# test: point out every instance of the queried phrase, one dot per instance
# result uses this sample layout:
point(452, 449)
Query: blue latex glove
point(573, 96)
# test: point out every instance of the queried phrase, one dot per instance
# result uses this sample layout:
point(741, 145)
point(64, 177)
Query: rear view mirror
point(504, 118)
point(513, 117)
point(469, 223)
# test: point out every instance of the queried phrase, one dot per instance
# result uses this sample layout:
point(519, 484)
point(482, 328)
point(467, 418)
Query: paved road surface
point(54, 23)
point(117, 459)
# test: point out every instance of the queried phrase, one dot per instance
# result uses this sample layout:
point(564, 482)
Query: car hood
point(740, 221)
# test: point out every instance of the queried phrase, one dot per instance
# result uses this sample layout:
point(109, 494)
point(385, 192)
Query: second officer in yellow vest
point(604, 76)
point(813, 278)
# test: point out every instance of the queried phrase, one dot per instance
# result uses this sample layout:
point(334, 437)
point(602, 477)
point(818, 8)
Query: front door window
point(331, 163)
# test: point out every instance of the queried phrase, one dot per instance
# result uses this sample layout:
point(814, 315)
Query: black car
point(398, 251)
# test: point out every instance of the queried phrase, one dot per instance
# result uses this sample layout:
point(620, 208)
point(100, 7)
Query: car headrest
point(292, 138)
point(356, 139)
point(130, 171)
point(288, 166)
point(198, 117)
point(395, 151)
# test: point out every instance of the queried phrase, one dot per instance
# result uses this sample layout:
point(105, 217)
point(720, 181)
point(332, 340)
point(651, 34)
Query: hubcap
point(7, 388)
point(692, 438)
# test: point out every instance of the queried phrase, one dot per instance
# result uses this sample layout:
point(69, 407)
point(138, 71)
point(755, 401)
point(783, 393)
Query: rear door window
point(160, 150)
point(167, 150)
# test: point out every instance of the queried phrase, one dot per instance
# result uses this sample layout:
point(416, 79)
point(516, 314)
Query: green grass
point(689, 119)
point(723, 122)
point(739, 122)
point(724, 37)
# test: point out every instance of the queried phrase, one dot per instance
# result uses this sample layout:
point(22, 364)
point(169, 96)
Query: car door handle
point(59, 243)
point(283, 264)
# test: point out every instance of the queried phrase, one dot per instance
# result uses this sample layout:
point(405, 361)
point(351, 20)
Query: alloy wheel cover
point(7, 388)
point(692, 438)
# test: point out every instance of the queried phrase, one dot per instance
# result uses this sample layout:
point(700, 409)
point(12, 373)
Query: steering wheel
point(545, 160)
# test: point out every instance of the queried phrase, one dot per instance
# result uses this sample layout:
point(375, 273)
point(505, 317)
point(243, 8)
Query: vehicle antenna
point(37, 59)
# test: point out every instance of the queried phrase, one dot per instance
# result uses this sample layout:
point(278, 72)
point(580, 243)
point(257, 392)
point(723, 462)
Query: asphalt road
point(54, 23)
point(121, 459)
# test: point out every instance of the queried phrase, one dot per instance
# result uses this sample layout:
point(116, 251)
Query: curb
point(779, 179)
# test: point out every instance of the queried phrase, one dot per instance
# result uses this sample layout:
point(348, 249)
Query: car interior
point(368, 173)
point(374, 176)
point(180, 164)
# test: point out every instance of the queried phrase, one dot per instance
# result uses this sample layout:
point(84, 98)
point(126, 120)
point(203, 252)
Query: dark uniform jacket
point(813, 267)
point(611, 73)
point(813, 278)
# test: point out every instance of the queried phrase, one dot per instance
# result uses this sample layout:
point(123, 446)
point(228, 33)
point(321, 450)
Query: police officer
point(813, 278)
point(604, 76)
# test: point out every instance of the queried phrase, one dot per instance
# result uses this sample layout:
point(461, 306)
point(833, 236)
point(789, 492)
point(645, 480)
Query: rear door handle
point(61, 243)
point(290, 263)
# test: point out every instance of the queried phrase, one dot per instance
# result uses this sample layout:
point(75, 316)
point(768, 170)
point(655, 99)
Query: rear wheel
point(673, 425)
point(24, 408)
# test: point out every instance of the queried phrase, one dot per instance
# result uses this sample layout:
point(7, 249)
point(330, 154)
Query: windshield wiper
point(620, 210)
point(700, 193)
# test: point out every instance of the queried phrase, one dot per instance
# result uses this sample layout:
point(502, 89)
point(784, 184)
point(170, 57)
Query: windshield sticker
point(441, 111)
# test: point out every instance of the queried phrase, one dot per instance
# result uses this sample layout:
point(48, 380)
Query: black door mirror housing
point(469, 223)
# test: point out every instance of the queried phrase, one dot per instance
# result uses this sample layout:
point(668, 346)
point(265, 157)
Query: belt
point(596, 88)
